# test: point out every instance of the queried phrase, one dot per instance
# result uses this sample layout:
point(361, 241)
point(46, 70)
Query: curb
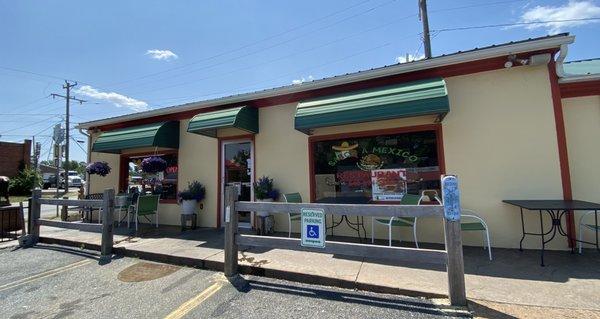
point(248, 270)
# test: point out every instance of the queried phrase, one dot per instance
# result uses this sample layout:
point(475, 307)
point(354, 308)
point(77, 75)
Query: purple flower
point(153, 164)
point(263, 189)
point(98, 168)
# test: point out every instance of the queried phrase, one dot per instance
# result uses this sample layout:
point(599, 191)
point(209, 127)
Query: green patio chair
point(408, 199)
point(292, 198)
point(122, 203)
point(146, 205)
point(470, 221)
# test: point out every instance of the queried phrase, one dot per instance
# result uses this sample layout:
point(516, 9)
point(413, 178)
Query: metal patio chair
point(475, 223)
point(584, 225)
point(292, 198)
point(146, 205)
point(122, 203)
point(408, 199)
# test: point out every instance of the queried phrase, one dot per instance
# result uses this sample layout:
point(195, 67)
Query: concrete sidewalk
point(569, 281)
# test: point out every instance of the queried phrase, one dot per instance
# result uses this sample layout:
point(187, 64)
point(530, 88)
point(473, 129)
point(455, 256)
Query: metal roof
point(496, 50)
point(582, 67)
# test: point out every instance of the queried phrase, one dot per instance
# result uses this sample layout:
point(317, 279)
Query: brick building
point(14, 156)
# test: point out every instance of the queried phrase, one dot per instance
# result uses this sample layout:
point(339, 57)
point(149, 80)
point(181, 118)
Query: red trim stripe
point(561, 137)
point(577, 89)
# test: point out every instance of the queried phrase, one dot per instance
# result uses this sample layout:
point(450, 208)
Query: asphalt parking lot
point(57, 282)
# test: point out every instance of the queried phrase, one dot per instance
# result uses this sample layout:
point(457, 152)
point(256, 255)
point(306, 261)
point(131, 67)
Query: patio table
point(556, 209)
point(360, 221)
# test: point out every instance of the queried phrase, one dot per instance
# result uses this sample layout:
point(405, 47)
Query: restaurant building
point(507, 119)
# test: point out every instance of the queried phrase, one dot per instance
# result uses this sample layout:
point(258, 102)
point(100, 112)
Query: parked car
point(73, 179)
point(48, 180)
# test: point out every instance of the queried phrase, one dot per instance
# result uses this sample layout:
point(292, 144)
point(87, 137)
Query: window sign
point(313, 228)
point(344, 167)
point(388, 184)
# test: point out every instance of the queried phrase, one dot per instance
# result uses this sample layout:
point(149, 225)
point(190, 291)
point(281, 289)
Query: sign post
point(313, 228)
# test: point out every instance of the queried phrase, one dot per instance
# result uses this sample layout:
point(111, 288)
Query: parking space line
point(44, 274)
point(189, 305)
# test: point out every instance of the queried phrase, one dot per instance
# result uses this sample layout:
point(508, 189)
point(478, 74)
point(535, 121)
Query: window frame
point(437, 128)
point(124, 170)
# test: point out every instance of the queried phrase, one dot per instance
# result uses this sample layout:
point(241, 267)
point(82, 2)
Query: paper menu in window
point(388, 184)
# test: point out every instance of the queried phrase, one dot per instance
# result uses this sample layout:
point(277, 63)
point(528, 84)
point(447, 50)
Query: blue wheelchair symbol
point(312, 231)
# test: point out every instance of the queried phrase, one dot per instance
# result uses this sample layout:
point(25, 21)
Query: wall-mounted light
point(534, 60)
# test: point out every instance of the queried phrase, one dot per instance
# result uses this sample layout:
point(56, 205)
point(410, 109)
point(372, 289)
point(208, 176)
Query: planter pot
point(188, 207)
point(264, 214)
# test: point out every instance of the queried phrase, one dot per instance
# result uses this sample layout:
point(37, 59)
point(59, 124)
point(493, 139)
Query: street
point(57, 282)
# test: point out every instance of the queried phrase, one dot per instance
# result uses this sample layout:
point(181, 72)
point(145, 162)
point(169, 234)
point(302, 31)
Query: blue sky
point(129, 56)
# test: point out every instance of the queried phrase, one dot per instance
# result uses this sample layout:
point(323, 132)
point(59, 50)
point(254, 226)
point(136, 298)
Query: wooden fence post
point(452, 231)
point(64, 213)
point(36, 207)
point(29, 219)
point(108, 206)
point(231, 229)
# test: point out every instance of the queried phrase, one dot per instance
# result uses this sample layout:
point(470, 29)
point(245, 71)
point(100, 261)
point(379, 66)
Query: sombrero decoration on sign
point(343, 151)
point(344, 147)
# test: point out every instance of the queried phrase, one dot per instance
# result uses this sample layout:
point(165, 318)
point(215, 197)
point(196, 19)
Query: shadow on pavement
point(366, 299)
point(78, 252)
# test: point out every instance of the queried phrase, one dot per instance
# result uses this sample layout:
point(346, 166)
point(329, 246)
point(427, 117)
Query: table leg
point(542, 234)
point(523, 229)
point(362, 220)
point(596, 224)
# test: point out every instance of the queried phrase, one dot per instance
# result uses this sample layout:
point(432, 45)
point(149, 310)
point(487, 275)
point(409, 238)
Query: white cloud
point(409, 58)
point(117, 99)
point(166, 55)
point(572, 10)
point(302, 80)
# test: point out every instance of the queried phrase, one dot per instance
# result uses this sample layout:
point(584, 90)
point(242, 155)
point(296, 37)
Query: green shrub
point(24, 182)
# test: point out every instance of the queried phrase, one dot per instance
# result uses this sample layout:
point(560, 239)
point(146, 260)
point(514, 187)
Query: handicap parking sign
point(313, 226)
point(312, 231)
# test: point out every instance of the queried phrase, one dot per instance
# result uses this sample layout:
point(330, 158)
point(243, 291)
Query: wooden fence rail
point(452, 256)
point(106, 205)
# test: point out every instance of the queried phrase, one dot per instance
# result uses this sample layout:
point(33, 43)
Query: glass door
point(237, 170)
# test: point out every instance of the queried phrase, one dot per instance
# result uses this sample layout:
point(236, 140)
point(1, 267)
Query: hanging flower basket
point(98, 168)
point(153, 164)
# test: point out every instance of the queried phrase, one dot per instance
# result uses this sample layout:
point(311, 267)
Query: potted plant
point(190, 197)
point(153, 164)
point(98, 168)
point(264, 192)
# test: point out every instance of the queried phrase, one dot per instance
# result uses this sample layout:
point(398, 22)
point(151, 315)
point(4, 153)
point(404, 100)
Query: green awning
point(243, 117)
point(417, 98)
point(162, 134)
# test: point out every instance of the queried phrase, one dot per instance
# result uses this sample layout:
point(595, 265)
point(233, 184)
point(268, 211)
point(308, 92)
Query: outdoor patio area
point(568, 280)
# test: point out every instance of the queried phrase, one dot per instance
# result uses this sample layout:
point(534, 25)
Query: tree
point(79, 167)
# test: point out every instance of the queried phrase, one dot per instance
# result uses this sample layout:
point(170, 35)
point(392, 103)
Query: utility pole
point(68, 99)
point(423, 17)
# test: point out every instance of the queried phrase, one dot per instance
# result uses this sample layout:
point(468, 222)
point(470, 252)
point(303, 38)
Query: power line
point(31, 102)
point(513, 24)
point(21, 127)
point(339, 59)
point(282, 57)
point(300, 26)
point(265, 48)
point(33, 73)
point(44, 130)
point(29, 114)
point(277, 44)
point(77, 143)
point(475, 6)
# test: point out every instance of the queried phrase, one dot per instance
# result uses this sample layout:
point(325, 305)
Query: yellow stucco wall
point(499, 138)
point(582, 123)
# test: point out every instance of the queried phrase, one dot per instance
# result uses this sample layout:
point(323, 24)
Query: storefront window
point(346, 169)
point(163, 183)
